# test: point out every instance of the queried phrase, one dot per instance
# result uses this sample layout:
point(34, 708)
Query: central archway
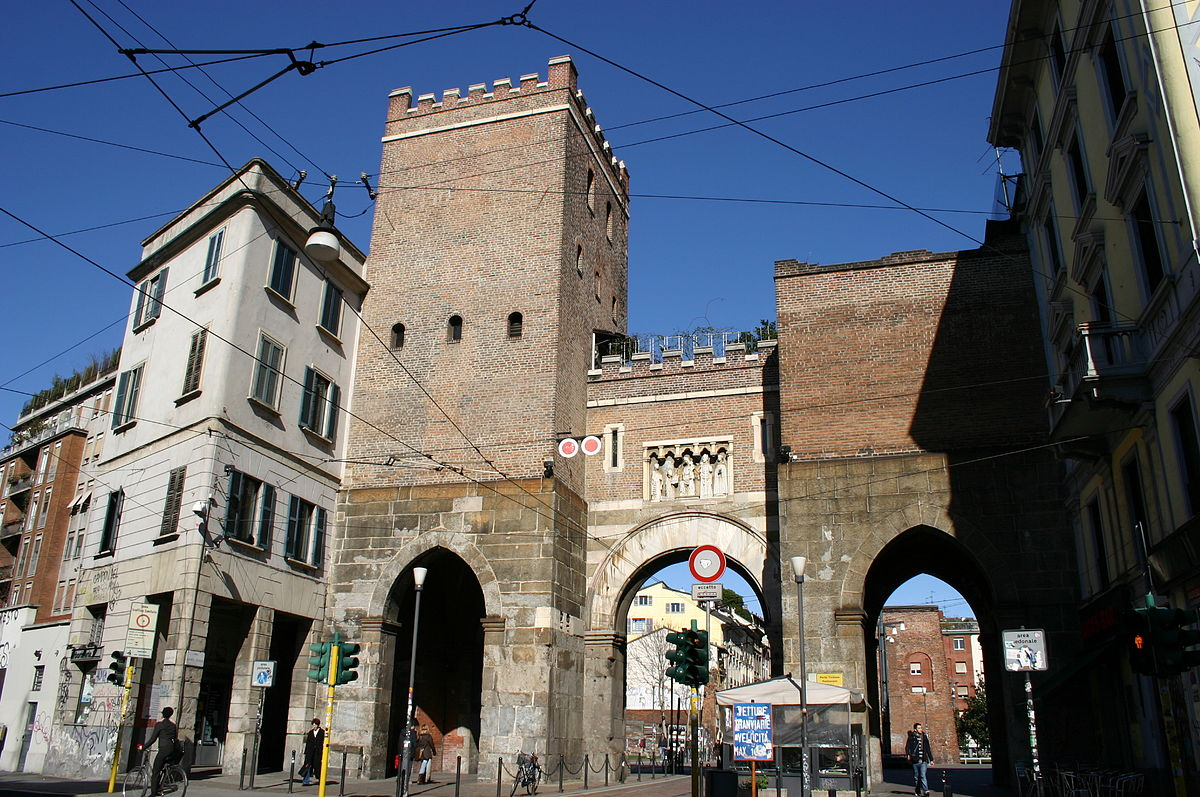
point(640, 553)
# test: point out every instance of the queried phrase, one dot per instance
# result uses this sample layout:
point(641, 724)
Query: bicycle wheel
point(516, 783)
point(137, 782)
point(532, 778)
point(174, 781)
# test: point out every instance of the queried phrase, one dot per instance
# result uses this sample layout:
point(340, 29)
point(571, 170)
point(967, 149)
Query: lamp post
point(798, 563)
point(406, 764)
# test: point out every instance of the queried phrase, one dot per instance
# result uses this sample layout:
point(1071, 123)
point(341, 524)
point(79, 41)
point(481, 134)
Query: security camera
point(200, 508)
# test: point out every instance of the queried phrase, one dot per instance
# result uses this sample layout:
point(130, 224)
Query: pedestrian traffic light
point(318, 663)
point(347, 662)
point(1159, 639)
point(117, 668)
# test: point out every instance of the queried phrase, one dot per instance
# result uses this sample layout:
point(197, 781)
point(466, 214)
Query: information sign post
point(753, 739)
point(1025, 652)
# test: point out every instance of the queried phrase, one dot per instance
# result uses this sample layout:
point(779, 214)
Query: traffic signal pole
point(695, 745)
point(112, 776)
point(333, 665)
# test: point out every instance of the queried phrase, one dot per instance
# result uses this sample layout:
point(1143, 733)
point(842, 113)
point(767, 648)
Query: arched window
point(397, 336)
point(608, 220)
point(454, 329)
point(579, 259)
point(597, 284)
point(516, 323)
point(591, 180)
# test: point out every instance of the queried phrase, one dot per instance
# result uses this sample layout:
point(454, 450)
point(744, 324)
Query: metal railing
point(683, 345)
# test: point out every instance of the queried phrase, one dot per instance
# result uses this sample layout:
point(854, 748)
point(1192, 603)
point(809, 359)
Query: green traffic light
point(318, 664)
point(347, 662)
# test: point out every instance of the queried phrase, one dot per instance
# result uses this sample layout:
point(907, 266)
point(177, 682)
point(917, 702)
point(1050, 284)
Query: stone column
point(379, 639)
point(495, 719)
point(604, 703)
point(243, 698)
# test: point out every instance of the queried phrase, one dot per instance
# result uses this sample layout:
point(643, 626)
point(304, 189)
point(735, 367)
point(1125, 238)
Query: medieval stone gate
point(894, 428)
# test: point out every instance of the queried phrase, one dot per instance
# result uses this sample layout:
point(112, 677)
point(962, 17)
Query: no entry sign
point(707, 563)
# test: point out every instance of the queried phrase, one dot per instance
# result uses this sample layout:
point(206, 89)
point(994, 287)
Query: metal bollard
point(342, 782)
point(561, 766)
point(606, 769)
point(292, 772)
point(652, 766)
point(640, 765)
point(242, 772)
point(586, 766)
point(457, 774)
point(947, 791)
point(499, 773)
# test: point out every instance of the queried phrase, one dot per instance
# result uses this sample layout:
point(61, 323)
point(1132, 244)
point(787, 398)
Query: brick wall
point(915, 351)
point(920, 642)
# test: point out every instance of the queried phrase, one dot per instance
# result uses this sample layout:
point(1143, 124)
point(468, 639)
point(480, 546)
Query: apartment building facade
point(46, 481)
point(217, 478)
point(1100, 99)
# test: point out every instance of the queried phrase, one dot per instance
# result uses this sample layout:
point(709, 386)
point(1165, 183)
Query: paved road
point(966, 781)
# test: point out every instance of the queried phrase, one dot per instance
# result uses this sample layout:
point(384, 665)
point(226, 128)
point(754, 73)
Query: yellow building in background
point(1100, 99)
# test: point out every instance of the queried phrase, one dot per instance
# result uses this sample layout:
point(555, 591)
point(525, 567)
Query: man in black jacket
point(166, 733)
point(920, 755)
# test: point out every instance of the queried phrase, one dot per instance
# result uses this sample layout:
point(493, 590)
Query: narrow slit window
point(454, 329)
point(516, 323)
point(398, 336)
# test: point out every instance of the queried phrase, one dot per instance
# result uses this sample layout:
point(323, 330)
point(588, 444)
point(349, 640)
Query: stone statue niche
point(694, 470)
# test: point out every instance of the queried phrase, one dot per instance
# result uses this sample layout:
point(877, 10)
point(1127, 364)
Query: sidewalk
point(966, 781)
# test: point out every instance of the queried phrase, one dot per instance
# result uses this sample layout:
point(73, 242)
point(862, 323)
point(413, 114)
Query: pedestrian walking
point(920, 755)
point(425, 753)
point(314, 742)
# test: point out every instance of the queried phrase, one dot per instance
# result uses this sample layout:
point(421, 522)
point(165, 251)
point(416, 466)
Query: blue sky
point(922, 590)
point(707, 260)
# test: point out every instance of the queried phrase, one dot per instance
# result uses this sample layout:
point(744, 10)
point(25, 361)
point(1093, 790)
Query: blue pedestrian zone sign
point(752, 739)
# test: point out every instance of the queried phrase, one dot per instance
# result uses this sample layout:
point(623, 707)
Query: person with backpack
point(920, 755)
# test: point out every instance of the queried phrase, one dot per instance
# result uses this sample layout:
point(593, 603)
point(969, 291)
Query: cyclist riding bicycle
point(170, 751)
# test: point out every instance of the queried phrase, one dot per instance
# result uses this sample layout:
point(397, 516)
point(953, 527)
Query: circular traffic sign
point(591, 445)
point(707, 563)
point(568, 448)
point(142, 620)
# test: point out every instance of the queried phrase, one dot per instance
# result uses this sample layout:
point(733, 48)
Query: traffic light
point(117, 668)
point(1159, 639)
point(347, 662)
point(318, 663)
point(690, 657)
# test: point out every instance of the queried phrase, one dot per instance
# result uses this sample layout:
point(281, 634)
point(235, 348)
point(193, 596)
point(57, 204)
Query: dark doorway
point(287, 642)
point(228, 626)
point(448, 682)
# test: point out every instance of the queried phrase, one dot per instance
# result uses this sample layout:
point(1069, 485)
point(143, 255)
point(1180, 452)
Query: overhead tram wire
point(801, 153)
point(196, 88)
point(566, 520)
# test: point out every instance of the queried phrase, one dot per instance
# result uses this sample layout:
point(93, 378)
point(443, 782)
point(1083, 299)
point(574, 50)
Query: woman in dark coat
point(314, 741)
point(424, 754)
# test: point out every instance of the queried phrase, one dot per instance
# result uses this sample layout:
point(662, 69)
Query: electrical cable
point(109, 143)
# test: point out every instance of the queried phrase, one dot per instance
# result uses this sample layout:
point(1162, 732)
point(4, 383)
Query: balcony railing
point(1106, 369)
point(18, 484)
point(11, 529)
point(65, 421)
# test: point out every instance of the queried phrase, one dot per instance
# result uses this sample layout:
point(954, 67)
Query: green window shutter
point(307, 402)
point(335, 397)
point(233, 505)
point(318, 548)
point(118, 416)
point(293, 528)
point(266, 518)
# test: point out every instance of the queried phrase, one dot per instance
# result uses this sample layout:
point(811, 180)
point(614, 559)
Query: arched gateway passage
point(645, 550)
point(924, 549)
point(449, 657)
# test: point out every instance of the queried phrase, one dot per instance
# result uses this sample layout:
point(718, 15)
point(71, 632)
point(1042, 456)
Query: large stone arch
point(744, 546)
point(456, 543)
point(609, 593)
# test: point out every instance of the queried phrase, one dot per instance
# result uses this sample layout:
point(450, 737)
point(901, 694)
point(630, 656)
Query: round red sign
point(568, 448)
point(707, 563)
point(591, 445)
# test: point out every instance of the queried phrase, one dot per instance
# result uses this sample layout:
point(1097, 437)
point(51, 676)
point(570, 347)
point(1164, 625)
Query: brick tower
point(498, 256)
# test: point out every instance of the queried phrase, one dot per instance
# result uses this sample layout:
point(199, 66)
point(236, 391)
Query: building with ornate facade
point(1100, 97)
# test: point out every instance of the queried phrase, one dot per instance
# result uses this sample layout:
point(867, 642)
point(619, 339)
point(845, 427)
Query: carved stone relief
point(688, 470)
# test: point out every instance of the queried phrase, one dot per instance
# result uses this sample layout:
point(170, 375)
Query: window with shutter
point(195, 361)
point(173, 502)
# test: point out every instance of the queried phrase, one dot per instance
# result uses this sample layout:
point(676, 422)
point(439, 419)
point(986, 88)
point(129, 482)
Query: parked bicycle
point(138, 781)
point(529, 774)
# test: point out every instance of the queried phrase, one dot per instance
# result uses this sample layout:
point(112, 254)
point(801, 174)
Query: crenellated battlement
point(561, 75)
point(672, 362)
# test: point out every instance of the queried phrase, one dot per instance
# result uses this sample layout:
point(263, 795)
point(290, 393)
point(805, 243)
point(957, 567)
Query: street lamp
point(403, 775)
point(798, 563)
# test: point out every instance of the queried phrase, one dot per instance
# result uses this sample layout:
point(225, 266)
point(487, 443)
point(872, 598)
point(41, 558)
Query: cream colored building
point(1100, 98)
